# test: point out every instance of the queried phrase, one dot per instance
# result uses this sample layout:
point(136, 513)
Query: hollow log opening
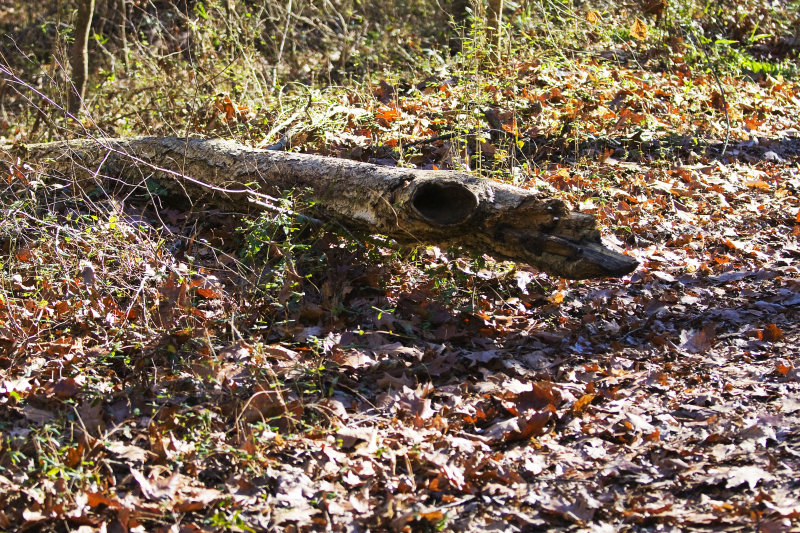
point(444, 204)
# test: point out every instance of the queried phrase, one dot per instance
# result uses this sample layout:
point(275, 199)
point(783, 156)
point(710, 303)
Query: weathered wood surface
point(408, 205)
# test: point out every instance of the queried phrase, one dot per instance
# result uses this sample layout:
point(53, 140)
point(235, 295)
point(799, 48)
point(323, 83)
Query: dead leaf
point(593, 17)
point(582, 403)
point(37, 416)
point(739, 475)
point(519, 428)
point(130, 453)
point(697, 341)
point(771, 333)
point(387, 114)
point(156, 487)
point(271, 403)
point(224, 104)
point(280, 352)
point(639, 29)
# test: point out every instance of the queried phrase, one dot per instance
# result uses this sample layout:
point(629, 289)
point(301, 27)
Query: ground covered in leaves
point(167, 368)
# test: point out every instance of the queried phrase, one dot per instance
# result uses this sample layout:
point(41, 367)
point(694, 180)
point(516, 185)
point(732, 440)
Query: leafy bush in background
point(160, 67)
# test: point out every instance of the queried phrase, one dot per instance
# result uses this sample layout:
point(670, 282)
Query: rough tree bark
point(79, 56)
point(410, 206)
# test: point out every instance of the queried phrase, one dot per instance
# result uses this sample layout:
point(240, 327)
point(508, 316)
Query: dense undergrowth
point(180, 367)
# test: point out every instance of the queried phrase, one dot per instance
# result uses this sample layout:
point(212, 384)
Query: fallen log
point(410, 206)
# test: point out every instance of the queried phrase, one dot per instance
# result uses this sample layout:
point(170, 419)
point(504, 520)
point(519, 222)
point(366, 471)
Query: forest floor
point(186, 369)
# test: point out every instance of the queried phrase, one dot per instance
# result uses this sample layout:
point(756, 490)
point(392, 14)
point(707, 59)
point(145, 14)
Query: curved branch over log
point(410, 206)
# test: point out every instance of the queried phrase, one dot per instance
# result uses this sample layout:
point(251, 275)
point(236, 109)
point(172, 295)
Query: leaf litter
point(407, 395)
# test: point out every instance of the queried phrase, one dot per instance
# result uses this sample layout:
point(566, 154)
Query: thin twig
point(284, 211)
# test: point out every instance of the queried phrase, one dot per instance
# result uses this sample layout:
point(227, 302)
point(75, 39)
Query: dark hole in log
point(444, 204)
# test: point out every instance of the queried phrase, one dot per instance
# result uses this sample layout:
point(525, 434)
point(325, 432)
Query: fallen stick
point(410, 206)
